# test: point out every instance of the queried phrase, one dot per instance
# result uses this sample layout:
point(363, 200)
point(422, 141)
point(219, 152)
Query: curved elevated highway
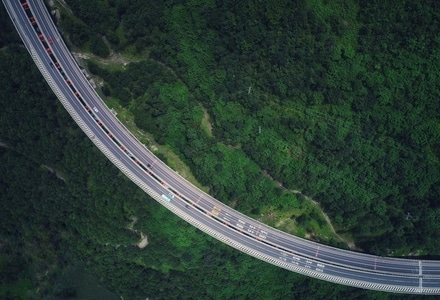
point(59, 68)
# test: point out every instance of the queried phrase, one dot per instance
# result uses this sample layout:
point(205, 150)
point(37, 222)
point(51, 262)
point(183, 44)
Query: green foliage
point(8, 36)
point(97, 15)
point(78, 32)
point(98, 47)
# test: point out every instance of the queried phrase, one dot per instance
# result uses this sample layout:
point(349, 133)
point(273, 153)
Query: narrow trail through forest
point(350, 244)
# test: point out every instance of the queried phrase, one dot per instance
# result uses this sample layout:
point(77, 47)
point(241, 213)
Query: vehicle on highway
point(50, 40)
point(25, 5)
point(166, 198)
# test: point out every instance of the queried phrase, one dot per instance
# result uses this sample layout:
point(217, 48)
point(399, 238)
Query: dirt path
point(144, 239)
point(63, 4)
point(350, 245)
point(113, 58)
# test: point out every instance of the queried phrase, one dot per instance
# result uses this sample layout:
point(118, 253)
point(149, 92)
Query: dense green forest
point(337, 99)
point(345, 94)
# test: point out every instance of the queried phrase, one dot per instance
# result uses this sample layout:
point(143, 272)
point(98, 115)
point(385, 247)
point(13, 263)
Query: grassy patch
point(342, 14)
point(287, 220)
point(111, 66)
point(206, 124)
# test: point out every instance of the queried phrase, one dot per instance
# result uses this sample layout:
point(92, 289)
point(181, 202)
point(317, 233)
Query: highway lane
point(208, 202)
point(430, 268)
